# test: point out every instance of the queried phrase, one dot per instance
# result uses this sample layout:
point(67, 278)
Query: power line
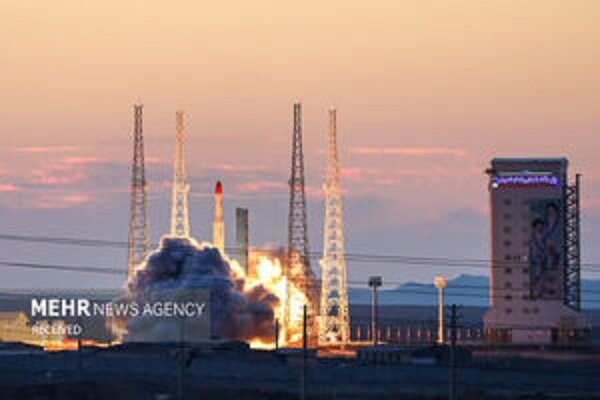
point(350, 257)
point(431, 293)
point(97, 270)
point(115, 271)
point(431, 289)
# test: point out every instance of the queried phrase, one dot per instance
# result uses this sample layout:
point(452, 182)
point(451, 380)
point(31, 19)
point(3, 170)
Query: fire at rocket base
point(218, 224)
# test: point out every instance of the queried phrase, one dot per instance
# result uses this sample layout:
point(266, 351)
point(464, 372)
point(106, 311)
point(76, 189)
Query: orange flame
point(269, 273)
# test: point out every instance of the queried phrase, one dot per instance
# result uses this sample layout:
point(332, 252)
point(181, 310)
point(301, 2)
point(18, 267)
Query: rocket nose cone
point(218, 188)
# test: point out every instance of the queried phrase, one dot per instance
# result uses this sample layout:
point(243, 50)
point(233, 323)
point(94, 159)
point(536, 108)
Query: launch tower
point(180, 224)
point(298, 265)
point(138, 223)
point(334, 321)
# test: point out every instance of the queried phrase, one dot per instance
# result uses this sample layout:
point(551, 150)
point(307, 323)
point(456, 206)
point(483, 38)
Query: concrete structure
point(241, 237)
point(218, 224)
point(532, 251)
point(138, 220)
point(334, 326)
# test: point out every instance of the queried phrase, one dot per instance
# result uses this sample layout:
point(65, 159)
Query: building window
point(508, 284)
point(508, 270)
point(525, 270)
point(508, 297)
point(507, 243)
point(508, 310)
point(507, 229)
point(507, 216)
point(526, 311)
point(507, 202)
point(508, 257)
point(525, 297)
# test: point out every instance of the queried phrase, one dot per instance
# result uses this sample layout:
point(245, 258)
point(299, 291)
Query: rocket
point(218, 224)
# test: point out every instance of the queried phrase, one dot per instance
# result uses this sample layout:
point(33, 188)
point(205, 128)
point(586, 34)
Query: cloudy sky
point(427, 93)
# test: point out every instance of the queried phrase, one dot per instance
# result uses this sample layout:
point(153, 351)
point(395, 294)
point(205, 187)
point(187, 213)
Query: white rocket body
point(218, 224)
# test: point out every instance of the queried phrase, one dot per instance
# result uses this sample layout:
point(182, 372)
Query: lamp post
point(440, 283)
point(374, 283)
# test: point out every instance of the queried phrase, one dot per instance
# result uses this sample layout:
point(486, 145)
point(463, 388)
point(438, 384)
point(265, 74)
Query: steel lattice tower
point(138, 223)
point(180, 224)
point(298, 265)
point(573, 245)
point(334, 322)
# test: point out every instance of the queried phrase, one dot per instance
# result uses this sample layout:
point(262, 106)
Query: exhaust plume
point(238, 311)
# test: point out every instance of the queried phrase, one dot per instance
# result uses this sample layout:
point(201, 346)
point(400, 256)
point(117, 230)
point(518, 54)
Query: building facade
point(534, 277)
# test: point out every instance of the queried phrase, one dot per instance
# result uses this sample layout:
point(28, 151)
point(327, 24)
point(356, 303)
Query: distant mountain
point(466, 290)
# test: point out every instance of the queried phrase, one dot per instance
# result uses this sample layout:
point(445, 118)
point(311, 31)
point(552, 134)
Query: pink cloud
point(386, 181)
point(81, 160)
point(61, 202)
point(44, 150)
point(591, 204)
point(58, 176)
point(261, 186)
point(149, 160)
point(409, 151)
point(77, 199)
point(389, 176)
point(240, 168)
point(353, 173)
point(68, 171)
point(8, 187)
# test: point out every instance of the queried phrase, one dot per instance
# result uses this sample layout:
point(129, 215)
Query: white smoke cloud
point(179, 264)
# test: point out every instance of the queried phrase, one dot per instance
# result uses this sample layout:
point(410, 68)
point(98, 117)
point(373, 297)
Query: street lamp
point(440, 283)
point(374, 283)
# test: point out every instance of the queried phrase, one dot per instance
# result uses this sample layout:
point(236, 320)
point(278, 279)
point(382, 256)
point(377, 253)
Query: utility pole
point(452, 361)
point(303, 395)
point(440, 283)
point(181, 362)
point(374, 282)
point(276, 334)
point(79, 353)
point(79, 359)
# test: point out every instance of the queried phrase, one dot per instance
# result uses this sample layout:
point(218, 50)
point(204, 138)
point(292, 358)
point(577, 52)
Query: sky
point(427, 92)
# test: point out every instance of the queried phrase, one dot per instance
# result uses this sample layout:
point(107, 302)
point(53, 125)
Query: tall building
point(534, 279)
point(218, 224)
